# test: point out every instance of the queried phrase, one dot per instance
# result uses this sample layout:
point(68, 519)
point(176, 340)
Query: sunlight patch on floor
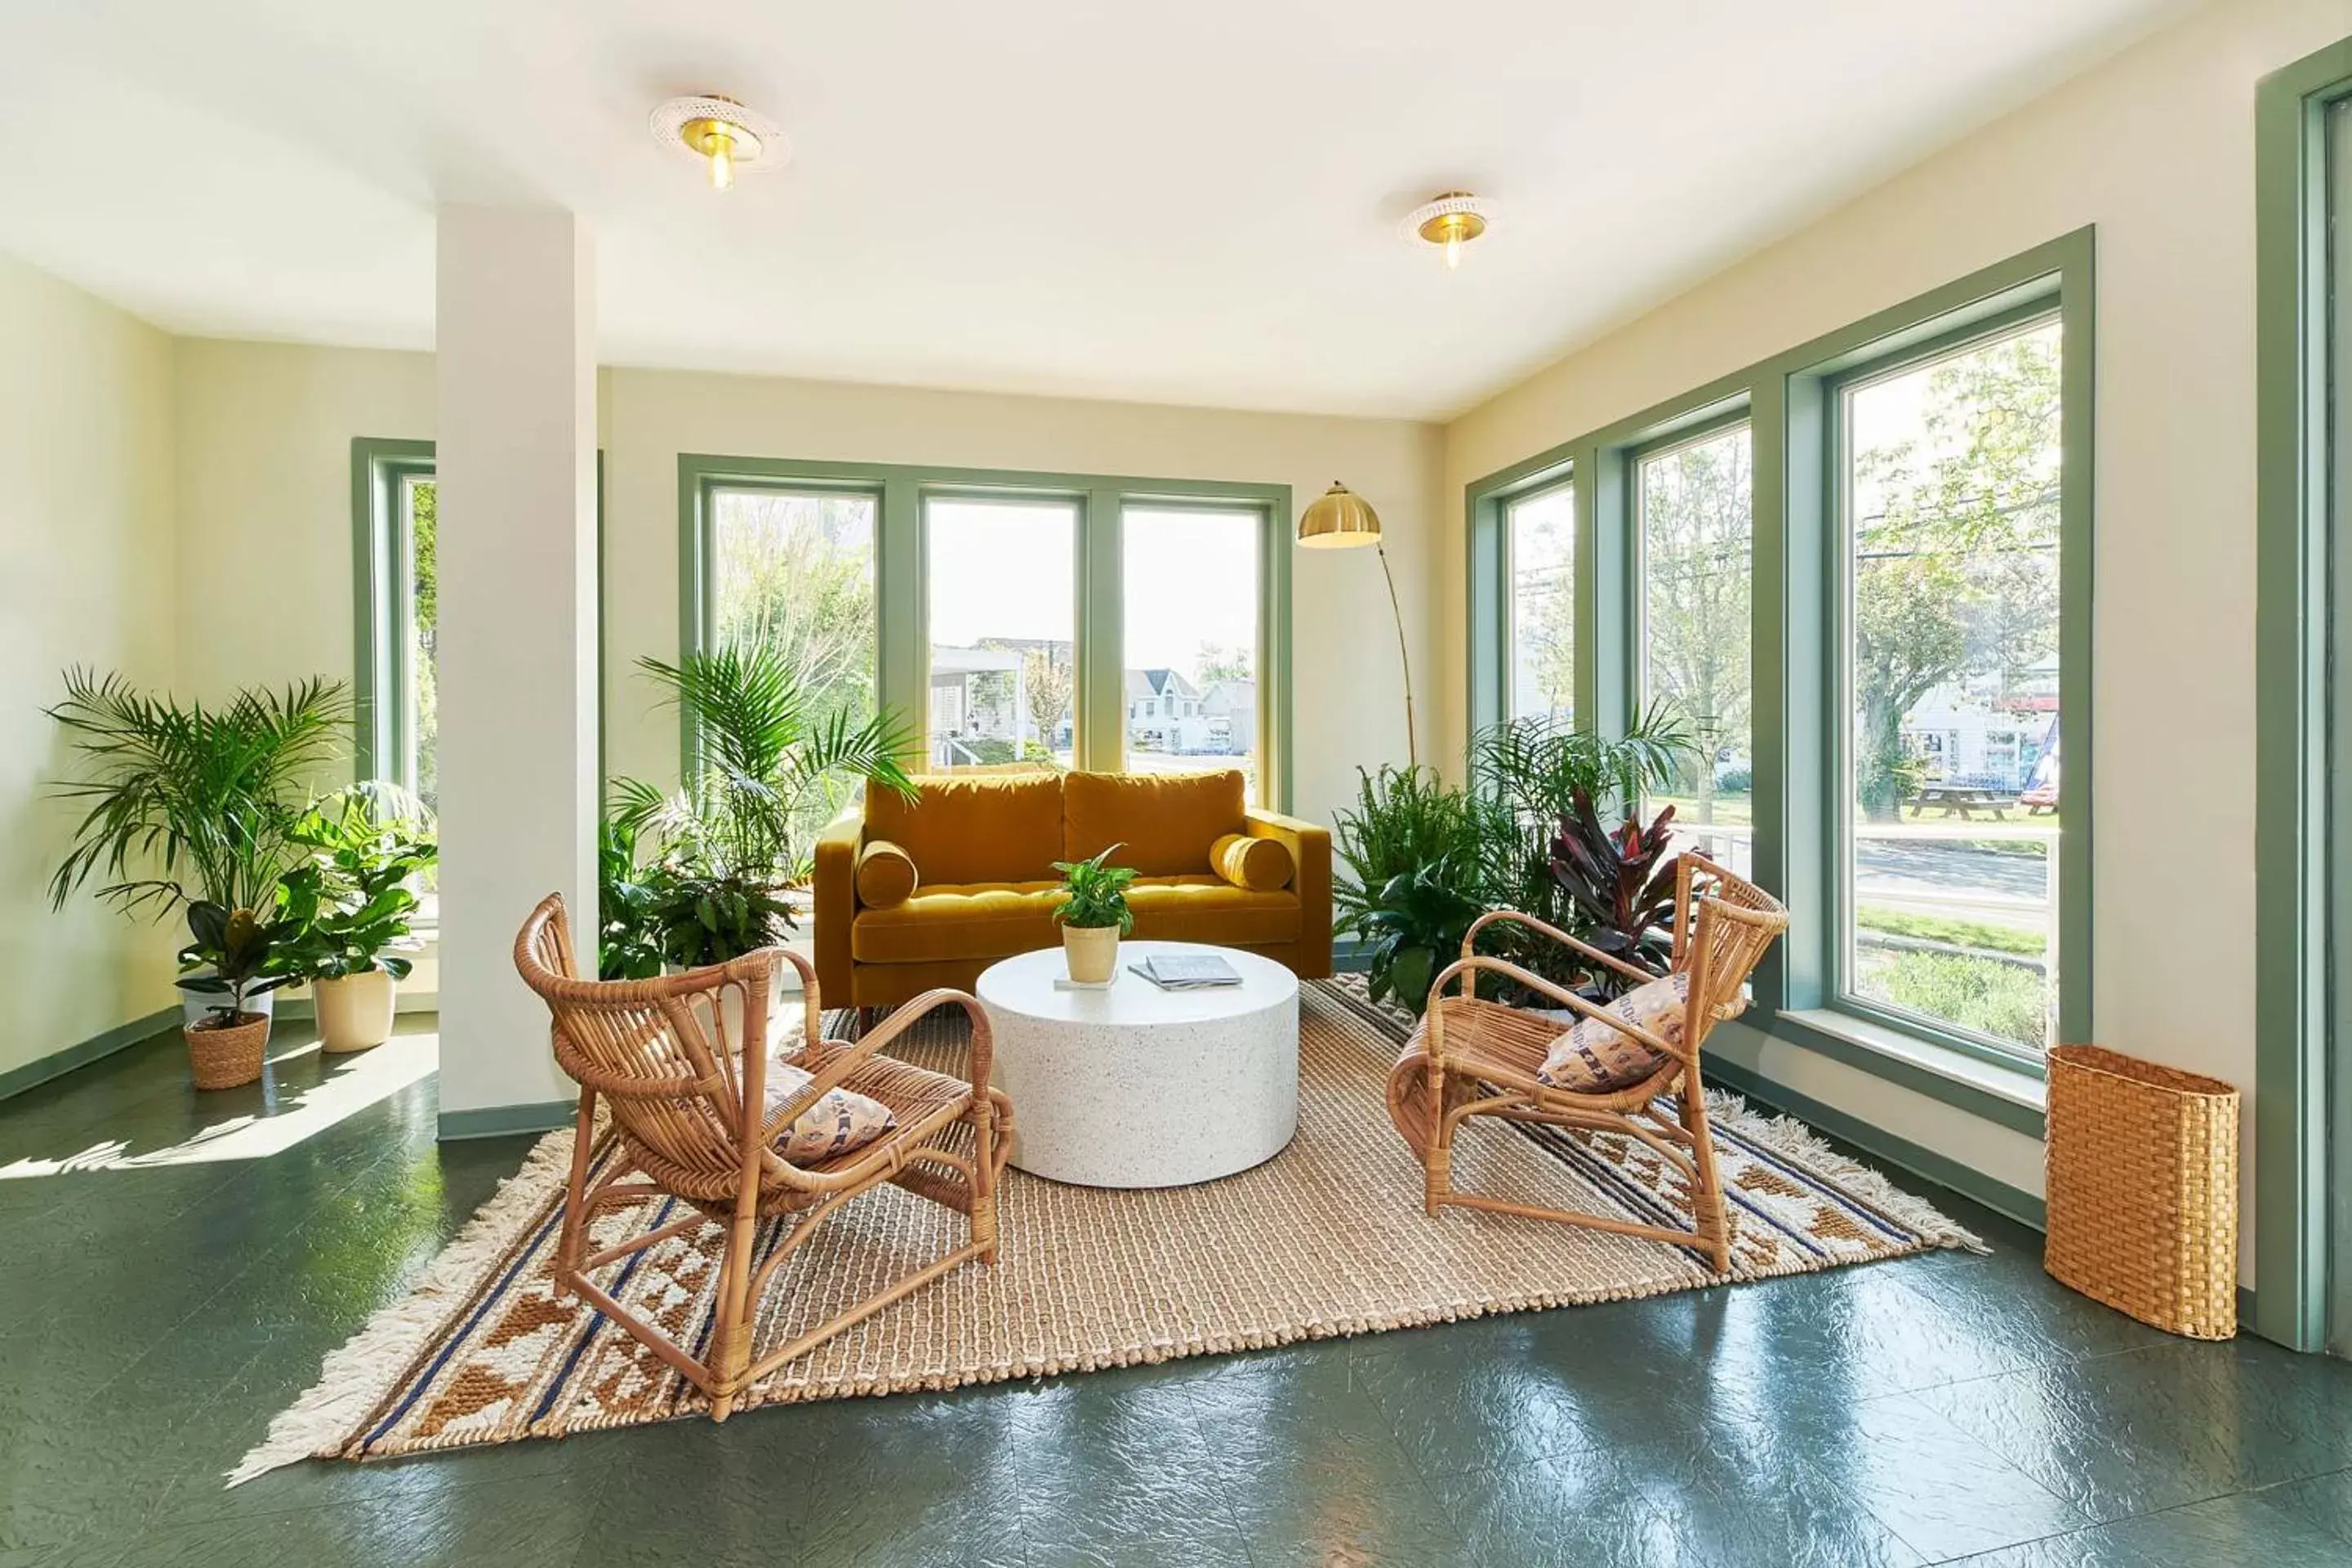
point(356, 1084)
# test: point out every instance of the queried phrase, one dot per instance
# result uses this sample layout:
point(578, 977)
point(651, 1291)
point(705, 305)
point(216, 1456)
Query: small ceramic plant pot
point(227, 1057)
point(354, 1012)
point(1091, 952)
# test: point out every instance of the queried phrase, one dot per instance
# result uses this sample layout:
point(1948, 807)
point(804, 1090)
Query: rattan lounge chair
point(664, 1057)
point(1471, 1058)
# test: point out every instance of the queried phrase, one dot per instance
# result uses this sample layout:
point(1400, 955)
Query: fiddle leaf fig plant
point(349, 903)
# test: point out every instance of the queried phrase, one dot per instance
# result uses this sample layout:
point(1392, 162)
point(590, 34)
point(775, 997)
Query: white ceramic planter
point(355, 1012)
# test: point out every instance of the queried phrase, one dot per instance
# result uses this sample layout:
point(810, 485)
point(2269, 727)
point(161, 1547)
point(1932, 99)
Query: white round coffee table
point(1136, 1087)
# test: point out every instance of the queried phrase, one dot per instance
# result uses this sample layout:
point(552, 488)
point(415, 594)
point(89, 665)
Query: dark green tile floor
point(1950, 1408)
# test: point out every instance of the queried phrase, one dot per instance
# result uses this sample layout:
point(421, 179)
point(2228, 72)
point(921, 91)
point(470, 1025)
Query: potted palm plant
point(1094, 915)
point(349, 905)
point(187, 804)
point(734, 841)
point(227, 1045)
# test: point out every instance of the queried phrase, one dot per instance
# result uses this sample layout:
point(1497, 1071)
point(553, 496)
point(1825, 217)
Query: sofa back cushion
point(1166, 821)
point(992, 827)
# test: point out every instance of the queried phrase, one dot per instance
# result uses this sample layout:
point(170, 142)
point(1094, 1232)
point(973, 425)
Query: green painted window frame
point(1786, 400)
point(2294, 898)
point(380, 601)
point(1688, 430)
point(901, 608)
point(1969, 328)
point(380, 604)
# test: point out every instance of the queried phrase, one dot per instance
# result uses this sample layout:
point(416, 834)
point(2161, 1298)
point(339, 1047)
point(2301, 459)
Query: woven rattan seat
point(666, 1059)
point(1470, 1057)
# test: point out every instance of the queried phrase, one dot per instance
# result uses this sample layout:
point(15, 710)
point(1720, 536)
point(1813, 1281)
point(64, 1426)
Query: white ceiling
point(1191, 202)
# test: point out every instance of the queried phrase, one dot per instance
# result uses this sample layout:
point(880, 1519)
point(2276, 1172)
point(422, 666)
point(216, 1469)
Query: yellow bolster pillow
point(886, 876)
point(1259, 864)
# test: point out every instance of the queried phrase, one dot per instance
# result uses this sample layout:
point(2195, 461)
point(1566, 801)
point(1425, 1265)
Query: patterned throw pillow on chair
point(1595, 1057)
point(841, 1121)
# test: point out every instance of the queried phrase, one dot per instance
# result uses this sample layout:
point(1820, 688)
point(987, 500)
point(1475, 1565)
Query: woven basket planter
point(2142, 1164)
point(226, 1058)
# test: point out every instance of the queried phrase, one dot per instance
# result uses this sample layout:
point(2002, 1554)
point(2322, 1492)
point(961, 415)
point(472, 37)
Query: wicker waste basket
point(2142, 1166)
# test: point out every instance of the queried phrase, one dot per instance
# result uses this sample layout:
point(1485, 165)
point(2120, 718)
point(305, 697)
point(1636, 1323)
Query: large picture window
point(1859, 572)
point(1950, 477)
point(1009, 618)
point(1540, 542)
point(1697, 533)
point(796, 568)
point(1190, 628)
point(1001, 586)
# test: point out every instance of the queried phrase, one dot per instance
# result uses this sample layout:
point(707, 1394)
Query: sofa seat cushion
point(1208, 909)
point(959, 920)
point(963, 829)
point(1164, 823)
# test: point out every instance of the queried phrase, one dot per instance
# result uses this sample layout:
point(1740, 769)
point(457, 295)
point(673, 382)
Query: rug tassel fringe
point(372, 1362)
point(1789, 1136)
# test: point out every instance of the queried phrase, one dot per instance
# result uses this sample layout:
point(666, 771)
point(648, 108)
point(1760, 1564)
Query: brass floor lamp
point(1342, 520)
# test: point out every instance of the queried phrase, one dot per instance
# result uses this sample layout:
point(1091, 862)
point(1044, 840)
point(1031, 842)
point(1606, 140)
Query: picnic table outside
point(1964, 799)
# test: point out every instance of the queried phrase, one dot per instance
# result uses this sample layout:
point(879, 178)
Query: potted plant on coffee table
point(350, 906)
point(226, 1045)
point(1094, 915)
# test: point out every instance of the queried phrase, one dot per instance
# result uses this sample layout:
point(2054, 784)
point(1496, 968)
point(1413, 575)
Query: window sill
point(2008, 1095)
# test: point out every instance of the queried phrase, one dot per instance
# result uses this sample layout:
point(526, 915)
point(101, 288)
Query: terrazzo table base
point(1136, 1087)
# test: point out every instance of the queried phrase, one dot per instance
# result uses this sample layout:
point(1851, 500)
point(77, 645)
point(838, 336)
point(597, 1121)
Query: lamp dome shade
point(1339, 518)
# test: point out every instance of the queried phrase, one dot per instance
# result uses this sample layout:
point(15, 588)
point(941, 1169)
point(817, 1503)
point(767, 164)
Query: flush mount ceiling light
point(1450, 222)
point(722, 135)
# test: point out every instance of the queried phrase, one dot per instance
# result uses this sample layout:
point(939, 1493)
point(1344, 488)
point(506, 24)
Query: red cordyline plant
point(1620, 885)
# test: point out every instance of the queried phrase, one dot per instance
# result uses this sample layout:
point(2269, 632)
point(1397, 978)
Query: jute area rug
point(1327, 1238)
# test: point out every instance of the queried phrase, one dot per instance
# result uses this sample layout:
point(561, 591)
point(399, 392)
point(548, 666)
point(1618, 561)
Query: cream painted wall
point(85, 485)
point(265, 435)
point(265, 478)
point(1347, 709)
point(2156, 148)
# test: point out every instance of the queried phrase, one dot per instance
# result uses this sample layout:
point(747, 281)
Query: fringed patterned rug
point(1327, 1238)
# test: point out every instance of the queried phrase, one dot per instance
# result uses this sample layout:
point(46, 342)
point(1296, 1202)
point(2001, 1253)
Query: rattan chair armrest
point(840, 1064)
point(1576, 1003)
point(982, 1057)
point(1496, 917)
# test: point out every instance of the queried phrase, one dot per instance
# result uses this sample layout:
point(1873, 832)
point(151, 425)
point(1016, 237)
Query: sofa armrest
point(836, 902)
point(1310, 857)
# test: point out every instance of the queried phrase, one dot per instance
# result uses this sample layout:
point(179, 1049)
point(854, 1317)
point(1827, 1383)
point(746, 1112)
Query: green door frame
point(901, 489)
point(2296, 612)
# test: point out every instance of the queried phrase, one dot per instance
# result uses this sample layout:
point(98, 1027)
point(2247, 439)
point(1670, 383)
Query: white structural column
point(516, 461)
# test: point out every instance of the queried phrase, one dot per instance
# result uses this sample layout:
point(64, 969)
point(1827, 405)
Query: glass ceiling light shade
point(1450, 222)
point(723, 136)
point(1342, 520)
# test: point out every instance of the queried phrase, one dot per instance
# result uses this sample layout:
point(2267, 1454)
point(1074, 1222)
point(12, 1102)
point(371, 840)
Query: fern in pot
point(1093, 915)
point(351, 906)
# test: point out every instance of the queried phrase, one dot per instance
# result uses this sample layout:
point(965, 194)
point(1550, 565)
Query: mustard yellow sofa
point(912, 895)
